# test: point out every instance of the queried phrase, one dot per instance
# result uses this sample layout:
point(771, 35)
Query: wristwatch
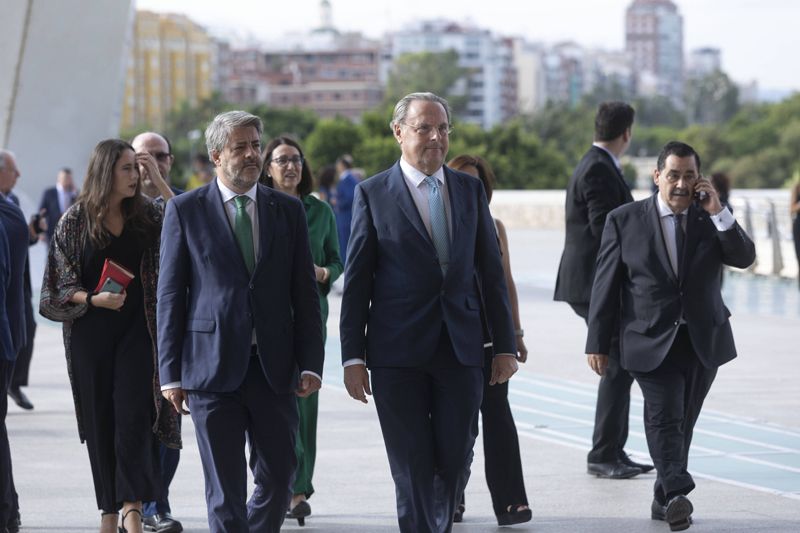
point(89, 297)
point(519, 332)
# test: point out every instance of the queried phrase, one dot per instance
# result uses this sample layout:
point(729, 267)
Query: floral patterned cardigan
point(62, 279)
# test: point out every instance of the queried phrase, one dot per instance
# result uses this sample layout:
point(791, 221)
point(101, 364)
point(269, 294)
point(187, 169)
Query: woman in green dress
point(287, 171)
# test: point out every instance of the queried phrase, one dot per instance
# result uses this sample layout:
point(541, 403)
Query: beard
point(239, 177)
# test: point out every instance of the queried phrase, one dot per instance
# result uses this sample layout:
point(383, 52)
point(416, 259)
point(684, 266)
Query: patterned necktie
point(680, 237)
point(243, 229)
point(439, 233)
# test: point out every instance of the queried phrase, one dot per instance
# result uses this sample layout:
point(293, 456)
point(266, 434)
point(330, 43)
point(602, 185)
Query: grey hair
point(3, 155)
point(218, 132)
point(401, 109)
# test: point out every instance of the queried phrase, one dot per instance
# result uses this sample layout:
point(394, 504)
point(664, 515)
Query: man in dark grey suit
point(239, 328)
point(658, 287)
point(423, 270)
point(596, 187)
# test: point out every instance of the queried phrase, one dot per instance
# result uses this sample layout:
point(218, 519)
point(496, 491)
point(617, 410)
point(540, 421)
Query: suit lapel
point(652, 221)
point(218, 222)
point(396, 186)
point(266, 223)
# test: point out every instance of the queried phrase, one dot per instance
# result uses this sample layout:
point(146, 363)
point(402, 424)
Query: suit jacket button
point(252, 287)
point(677, 323)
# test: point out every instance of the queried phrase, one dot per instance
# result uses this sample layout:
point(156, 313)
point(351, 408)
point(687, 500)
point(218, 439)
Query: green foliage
point(295, 123)
point(375, 154)
point(330, 139)
point(438, 73)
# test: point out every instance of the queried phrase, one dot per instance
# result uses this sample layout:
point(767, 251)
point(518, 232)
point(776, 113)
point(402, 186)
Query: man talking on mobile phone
point(658, 281)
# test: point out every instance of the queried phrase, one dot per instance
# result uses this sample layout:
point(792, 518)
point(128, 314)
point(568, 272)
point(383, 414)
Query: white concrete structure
point(61, 83)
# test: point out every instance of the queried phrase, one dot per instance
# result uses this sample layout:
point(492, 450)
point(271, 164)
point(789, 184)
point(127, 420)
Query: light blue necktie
point(439, 233)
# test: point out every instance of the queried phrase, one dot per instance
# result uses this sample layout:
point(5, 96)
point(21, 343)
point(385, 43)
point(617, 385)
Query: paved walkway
point(746, 456)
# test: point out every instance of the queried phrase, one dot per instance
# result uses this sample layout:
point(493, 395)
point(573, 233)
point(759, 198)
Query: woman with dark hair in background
point(109, 338)
point(287, 171)
point(500, 440)
point(326, 180)
point(794, 208)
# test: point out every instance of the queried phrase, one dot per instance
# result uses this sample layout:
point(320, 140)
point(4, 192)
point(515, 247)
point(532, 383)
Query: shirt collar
point(416, 176)
point(612, 156)
point(228, 194)
point(664, 210)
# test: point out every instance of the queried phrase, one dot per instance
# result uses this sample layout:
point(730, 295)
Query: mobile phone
point(700, 195)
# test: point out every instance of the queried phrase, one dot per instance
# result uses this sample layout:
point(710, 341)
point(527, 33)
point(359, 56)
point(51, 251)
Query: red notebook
point(114, 278)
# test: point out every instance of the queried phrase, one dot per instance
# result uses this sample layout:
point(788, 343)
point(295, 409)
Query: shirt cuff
point(173, 385)
point(723, 220)
point(354, 361)
point(508, 354)
point(309, 372)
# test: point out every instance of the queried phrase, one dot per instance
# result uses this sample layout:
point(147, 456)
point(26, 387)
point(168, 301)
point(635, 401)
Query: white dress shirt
point(65, 198)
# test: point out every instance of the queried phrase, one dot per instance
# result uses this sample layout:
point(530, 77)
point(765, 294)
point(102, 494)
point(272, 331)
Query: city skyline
point(750, 50)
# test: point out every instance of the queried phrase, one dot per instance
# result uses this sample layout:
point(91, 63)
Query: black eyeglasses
point(284, 162)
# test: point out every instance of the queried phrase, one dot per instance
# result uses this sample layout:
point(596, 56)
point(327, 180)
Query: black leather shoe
point(677, 512)
point(515, 515)
point(641, 466)
point(162, 523)
point(458, 514)
point(615, 470)
point(19, 398)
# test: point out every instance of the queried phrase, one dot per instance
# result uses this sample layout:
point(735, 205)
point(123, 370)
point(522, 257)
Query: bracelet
point(89, 297)
point(519, 332)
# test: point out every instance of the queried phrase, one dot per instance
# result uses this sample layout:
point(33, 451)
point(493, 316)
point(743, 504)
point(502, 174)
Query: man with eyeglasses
point(423, 273)
point(657, 285)
point(157, 515)
point(159, 147)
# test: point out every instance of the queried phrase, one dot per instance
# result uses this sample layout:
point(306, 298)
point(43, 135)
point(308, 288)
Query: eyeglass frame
point(297, 161)
point(424, 130)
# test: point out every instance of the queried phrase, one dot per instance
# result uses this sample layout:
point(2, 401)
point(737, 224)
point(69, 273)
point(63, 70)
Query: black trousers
point(429, 421)
point(23, 364)
point(796, 237)
point(502, 462)
point(673, 396)
point(8, 493)
point(112, 365)
point(613, 404)
point(221, 422)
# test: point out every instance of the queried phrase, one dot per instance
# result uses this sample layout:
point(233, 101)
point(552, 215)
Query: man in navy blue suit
point(423, 275)
point(239, 328)
point(56, 200)
point(13, 258)
point(343, 206)
point(157, 515)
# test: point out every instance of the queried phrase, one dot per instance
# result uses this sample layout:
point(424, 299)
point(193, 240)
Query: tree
point(711, 99)
point(330, 139)
point(296, 123)
point(438, 73)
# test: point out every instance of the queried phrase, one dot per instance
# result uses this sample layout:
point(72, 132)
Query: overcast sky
point(759, 39)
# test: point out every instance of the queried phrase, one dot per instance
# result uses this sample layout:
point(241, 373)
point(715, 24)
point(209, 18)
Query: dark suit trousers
point(23, 364)
point(429, 420)
point(270, 421)
point(168, 459)
point(8, 494)
point(613, 404)
point(673, 396)
point(503, 464)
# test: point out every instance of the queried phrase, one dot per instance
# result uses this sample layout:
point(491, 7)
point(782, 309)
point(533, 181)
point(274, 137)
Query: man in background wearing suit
point(13, 261)
point(56, 200)
point(658, 287)
point(596, 187)
point(157, 515)
point(239, 330)
point(423, 268)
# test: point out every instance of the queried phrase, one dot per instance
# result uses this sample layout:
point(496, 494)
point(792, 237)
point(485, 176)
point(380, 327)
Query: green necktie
point(243, 229)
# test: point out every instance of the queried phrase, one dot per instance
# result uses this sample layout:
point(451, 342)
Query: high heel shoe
point(300, 512)
point(515, 515)
point(125, 515)
point(458, 515)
